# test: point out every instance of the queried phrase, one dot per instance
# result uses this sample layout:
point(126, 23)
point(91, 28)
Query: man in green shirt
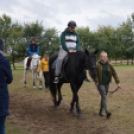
point(105, 72)
point(70, 42)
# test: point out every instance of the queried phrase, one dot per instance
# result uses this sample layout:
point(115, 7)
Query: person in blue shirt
point(5, 78)
point(33, 48)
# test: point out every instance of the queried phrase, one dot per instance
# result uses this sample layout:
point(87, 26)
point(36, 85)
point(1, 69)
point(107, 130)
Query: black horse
point(73, 73)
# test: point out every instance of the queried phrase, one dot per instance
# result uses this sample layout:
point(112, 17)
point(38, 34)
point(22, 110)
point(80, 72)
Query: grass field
point(32, 112)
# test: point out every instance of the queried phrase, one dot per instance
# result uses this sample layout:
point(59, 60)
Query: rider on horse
point(33, 48)
point(70, 42)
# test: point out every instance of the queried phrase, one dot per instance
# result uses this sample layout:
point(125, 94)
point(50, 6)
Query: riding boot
point(87, 79)
point(28, 62)
point(27, 66)
point(108, 114)
point(56, 80)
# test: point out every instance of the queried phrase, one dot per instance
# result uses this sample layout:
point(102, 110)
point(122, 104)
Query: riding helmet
point(33, 39)
point(72, 23)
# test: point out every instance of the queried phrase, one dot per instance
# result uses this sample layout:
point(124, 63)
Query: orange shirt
point(45, 65)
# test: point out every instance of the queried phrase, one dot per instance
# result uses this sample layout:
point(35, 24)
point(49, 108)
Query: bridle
point(88, 67)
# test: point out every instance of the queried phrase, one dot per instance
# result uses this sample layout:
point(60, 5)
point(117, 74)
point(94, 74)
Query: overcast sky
point(57, 13)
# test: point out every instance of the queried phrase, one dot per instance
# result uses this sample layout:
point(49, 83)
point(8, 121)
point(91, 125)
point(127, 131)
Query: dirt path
point(36, 116)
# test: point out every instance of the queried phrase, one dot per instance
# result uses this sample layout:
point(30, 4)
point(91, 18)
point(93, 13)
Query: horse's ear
point(87, 52)
point(96, 51)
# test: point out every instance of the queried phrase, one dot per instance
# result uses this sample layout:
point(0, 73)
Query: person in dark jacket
point(5, 78)
point(33, 48)
point(105, 71)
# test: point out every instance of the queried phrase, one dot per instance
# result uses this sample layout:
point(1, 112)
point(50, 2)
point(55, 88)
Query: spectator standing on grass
point(105, 71)
point(5, 78)
point(45, 64)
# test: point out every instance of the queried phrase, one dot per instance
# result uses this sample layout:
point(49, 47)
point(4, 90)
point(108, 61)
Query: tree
point(14, 42)
point(49, 41)
point(86, 38)
point(5, 28)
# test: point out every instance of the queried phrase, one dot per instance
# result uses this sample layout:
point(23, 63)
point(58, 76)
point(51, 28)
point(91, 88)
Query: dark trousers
point(2, 124)
point(46, 77)
point(28, 61)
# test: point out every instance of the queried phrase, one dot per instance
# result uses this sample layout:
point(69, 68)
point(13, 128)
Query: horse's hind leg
point(59, 93)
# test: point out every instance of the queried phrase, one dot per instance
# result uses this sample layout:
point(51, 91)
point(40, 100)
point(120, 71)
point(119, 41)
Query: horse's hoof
point(40, 87)
point(24, 86)
point(34, 87)
point(79, 116)
point(56, 107)
point(72, 111)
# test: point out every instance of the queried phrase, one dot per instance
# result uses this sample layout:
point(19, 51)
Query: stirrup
point(87, 80)
point(56, 80)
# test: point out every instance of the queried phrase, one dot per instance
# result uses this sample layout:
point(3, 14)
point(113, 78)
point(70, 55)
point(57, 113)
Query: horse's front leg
point(34, 77)
point(25, 73)
point(40, 83)
point(75, 99)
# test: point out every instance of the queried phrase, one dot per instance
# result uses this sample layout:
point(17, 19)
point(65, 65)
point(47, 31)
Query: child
point(45, 64)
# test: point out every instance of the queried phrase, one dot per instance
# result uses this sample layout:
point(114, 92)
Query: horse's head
point(35, 61)
point(91, 62)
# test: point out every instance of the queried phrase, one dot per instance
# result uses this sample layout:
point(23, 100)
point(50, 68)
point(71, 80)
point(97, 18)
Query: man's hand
point(118, 85)
point(96, 84)
point(72, 51)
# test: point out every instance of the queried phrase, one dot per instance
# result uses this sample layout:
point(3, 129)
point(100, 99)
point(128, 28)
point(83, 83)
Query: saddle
point(64, 62)
point(30, 61)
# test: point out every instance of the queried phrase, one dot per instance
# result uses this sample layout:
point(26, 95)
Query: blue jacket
point(32, 49)
point(5, 78)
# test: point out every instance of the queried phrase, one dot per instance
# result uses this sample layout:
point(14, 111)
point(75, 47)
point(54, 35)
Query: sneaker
point(101, 113)
point(56, 80)
point(87, 80)
point(108, 115)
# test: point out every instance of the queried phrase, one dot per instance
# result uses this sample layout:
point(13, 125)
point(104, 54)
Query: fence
point(122, 62)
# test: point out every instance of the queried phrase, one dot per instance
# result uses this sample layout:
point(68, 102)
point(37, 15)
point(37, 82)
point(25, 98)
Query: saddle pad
point(54, 63)
point(64, 62)
point(31, 61)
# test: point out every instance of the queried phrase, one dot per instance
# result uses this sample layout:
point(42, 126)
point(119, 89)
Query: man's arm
point(116, 78)
point(40, 66)
point(62, 41)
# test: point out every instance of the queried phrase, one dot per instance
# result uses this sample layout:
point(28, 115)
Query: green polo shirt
point(105, 73)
